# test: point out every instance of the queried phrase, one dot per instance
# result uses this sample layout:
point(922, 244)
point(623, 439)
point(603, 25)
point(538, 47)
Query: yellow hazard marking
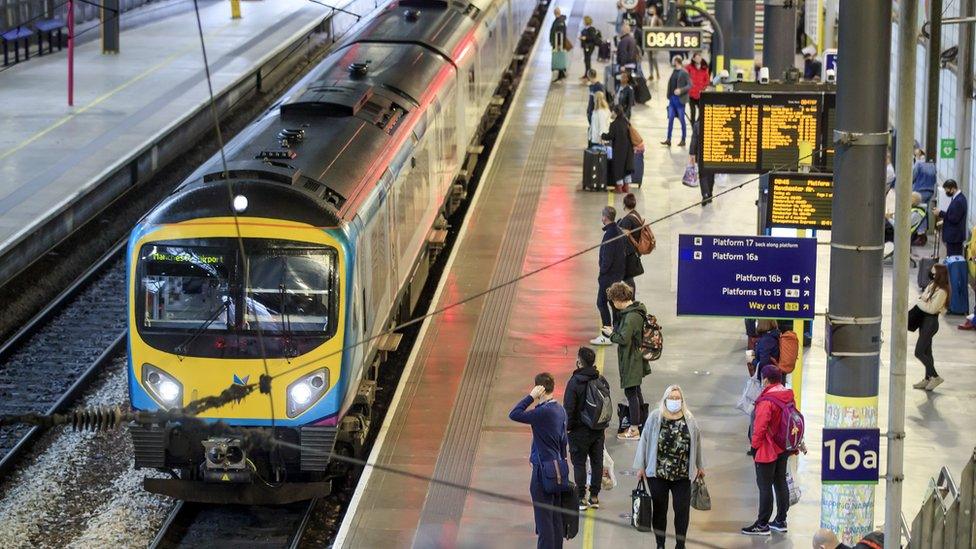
point(225, 478)
point(589, 525)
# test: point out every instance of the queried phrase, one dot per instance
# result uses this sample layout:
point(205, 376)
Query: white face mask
point(673, 405)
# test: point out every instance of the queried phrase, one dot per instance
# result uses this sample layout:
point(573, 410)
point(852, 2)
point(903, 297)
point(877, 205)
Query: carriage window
point(186, 287)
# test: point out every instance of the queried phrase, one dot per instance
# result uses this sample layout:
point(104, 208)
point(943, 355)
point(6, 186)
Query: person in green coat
point(627, 334)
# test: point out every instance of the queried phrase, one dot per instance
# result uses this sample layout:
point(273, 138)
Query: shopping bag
point(794, 487)
point(640, 517)
point(751, 391)
point(690, 178)
point(609, 478)
point(699, 495)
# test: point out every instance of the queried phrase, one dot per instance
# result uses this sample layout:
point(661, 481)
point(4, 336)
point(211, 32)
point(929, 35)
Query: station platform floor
point(52, 154)
point(449, 417)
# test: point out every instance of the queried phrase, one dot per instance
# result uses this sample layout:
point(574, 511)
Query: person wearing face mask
point(953, 218)
point(930, 304)
point(669, 456)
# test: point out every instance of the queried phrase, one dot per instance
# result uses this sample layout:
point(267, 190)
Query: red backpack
point(789, 352)
point(789, 434)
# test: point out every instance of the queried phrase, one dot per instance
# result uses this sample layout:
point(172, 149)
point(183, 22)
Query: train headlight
point(163, 387)
point(306, 391)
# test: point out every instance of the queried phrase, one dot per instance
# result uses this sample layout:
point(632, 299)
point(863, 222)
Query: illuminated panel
point(730, 133)
point(790, 126)
point(800, 200)
point(672, 38)
point(830, 119)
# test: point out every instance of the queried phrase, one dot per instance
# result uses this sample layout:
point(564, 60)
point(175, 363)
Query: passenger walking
point(653, 20)
point(621, 150)
point(930, 304)
point(627, 53)
point(625, 93)
point(631, 223)
point(770, 458)
point(613, 257)
point(590, 39)
point(953, 218)
point(627, 334)
point(549, 440)
point(585, 441)
point(599, 119)
point(557, 39)
point(669, 455)
point(767, 346)
point(679, 85)
point(595, 87)
point(698, 72)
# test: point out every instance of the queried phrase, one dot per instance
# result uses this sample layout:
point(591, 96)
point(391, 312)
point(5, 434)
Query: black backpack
point(597, 408)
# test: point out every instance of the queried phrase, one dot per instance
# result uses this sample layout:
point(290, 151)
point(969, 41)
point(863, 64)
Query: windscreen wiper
point(182, 347)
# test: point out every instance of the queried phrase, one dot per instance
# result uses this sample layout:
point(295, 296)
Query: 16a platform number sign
point(850, 456)
point(672, 38)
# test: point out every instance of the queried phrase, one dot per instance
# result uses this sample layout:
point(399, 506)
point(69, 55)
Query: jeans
point(923, 347)
point(608, 316)
point(680, 491)
point(676, 109)
point(635, 404)
point(771, 478)
point(586, 443)
point(548, 524)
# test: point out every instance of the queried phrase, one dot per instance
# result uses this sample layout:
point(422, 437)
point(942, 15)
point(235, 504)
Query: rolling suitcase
point(603, 52)
point(595, 169)
point(559, 62)
point(958, 285)
point(638, 176)
point(925, 264)
point(641, 92)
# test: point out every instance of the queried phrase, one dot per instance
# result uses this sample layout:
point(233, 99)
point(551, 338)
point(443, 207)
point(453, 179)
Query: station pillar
point(109, 14)
point(723, 14)
point(856, 250)
point(742, 46)
point(779, 37)
point(933, 71)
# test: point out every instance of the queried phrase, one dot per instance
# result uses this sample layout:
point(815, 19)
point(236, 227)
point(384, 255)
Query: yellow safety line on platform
point(108, 94)
point(588, 526)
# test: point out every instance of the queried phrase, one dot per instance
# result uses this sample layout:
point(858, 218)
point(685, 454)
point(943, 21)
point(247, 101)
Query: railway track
point(46, 365)
point(206, 525)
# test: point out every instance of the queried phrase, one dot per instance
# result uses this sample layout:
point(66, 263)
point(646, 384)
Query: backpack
point(651, 342)
point(874, 540)
point(789, 351)
point(789, 434)
point(645, 241)
point(597, 405)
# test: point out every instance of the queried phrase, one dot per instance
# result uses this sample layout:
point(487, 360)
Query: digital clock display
point(672, 38)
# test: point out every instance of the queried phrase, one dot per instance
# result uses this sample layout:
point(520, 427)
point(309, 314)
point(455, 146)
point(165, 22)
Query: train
point(314, 233)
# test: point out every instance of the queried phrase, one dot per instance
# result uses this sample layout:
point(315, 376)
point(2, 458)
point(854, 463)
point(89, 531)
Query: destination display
point(800, 200)
point(672, 38)
point(751, 132)
point(747, 276)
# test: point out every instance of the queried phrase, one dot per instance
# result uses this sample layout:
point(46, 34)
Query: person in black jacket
point(953, 218)
point(622, 150)
point(613, 257)
point(557, 34)
point(590, 39)
point(584, 442)
point(632, 221)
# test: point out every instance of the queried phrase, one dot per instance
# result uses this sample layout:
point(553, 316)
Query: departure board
point(800, 200)
point(750, 132)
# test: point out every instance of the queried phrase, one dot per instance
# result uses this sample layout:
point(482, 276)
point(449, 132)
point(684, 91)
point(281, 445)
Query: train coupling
point(226, 461)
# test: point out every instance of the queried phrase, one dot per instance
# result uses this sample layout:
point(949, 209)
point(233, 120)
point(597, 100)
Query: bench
point(15, 35)
point(48, 27)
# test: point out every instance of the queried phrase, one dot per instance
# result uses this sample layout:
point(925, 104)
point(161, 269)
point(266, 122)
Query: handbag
point(690, 178)
point(641, 503)
point(567, 45)
point(915, 318)
point(635, 138)
point(751, 391)
point(699, 495)
point(555, 476)
point(794, 488)
point(633, 266)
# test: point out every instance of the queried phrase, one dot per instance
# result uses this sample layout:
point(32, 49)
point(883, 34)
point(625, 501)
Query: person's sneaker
point(933, 383)
point(601, 340)
point(756, 529)
point(968, 325)
point(922, 384)
point(681, 143)
point(583, 504)
point(630, 434)
point(666, 143)
point(594, 502)
point(778, 526)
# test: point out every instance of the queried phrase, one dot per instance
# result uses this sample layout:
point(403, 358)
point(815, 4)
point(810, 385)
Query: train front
point(216, 301)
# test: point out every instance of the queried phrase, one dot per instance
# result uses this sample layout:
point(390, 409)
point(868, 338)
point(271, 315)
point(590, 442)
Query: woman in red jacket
point(698, 70)
point(770, 458)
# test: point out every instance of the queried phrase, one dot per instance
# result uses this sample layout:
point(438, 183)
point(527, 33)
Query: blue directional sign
point(850, 456)
point(747, 276)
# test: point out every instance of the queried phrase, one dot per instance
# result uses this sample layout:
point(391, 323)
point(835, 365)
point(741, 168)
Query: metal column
point(905, 121)
point(933, 70)
point(856, 248)
point(742, 46)
point(723, 14)
point(779, 37)
point(829, 31)
point(964, 96)
point(109, 13)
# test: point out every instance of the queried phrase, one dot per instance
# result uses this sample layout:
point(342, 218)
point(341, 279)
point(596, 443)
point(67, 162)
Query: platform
point(126, 106)
point(449, 417)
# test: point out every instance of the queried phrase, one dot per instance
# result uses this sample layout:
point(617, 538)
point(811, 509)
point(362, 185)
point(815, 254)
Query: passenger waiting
point(631, 222)
point(767, 346)
point(589, 40)
point(549, 440)
point(669, 455)
point(595, 87)
point(613, 261)
point(923, 177)
point(953, 218)
point(930, 304)
point(630, 361)
point(628, 55)
point(678, 87)
point(558, 41)
point(621, 150)
point(599, 119)
point(916, 219)
point(585, 441)
point(625, 93)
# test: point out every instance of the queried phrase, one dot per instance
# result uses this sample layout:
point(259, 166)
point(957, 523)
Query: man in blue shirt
point(549, 440)
point(923, 179)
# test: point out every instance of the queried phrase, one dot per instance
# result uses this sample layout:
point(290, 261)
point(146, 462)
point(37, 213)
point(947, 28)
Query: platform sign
point(672, 38)
point(850, 456)
point(753, 132)
point(747, 276)
point(800, 200)
point(829, 62)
